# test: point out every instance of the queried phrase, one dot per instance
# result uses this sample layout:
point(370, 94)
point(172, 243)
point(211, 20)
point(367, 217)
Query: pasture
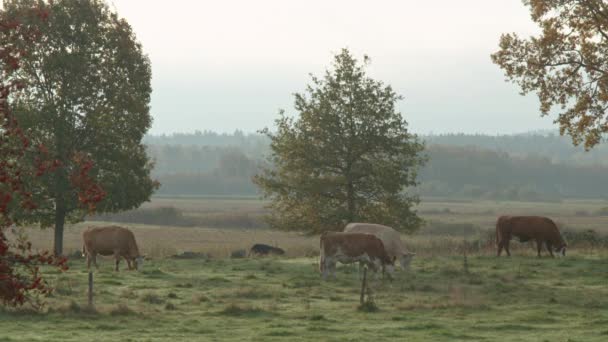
point(517, 299)
point(217, 298)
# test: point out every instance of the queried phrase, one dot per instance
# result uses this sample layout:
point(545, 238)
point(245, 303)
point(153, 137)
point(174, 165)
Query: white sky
point(226, 65)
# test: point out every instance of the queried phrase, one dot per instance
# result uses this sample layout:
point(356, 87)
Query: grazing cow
point(538, 228)
point(390, 238)
point(112, 240)
point(262, 249)
point(352, 247)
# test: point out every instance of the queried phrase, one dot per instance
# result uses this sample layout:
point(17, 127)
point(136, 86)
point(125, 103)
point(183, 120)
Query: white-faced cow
point(390, 238)
point(525, 228)
point(352, 247)
point(113, 240)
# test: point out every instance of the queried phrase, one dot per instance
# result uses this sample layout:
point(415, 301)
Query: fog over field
point(219, 68)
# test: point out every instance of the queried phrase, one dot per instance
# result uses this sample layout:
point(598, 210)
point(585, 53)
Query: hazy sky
point(226, 65)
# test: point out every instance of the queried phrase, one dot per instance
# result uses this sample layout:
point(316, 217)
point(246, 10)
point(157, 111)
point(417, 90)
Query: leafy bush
point(587, 238)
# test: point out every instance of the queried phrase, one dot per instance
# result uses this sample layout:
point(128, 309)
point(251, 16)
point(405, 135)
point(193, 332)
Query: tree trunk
point(351, 202)
point(60, 213)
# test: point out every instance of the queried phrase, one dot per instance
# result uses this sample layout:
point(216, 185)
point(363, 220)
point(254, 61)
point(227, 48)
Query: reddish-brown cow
point(113, 240)
point(538, 228)
point(352, 247)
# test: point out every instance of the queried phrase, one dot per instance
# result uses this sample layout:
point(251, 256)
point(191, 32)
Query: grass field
point(264, 299)
point(516, 299)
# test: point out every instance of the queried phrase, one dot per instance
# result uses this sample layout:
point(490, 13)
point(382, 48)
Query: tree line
point(459, 165)
point(541, 144)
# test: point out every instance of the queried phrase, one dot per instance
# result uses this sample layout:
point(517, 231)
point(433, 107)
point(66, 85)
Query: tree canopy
point(347, 156)
point(87, 103)
point(21, 279)
point(566, 65)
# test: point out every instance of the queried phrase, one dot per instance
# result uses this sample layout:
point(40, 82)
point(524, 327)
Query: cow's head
point(405, 259)
point(561, 250)
point(139, 261)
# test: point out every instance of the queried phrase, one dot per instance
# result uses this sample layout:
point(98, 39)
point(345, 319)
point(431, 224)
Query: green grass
point(507, 299)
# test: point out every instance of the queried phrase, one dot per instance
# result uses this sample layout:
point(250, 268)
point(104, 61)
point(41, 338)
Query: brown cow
point(538, 228)
point(390, 238)
point(113, 240)
point(352, 247)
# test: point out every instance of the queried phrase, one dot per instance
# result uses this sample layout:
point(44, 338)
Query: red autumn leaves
point(20, 265)
point(89, 192)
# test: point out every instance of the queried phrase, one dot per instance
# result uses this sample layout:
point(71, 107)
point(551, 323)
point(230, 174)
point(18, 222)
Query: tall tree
point(87, 103)
point(346, 157)
point(21, 279)
point(566, 65)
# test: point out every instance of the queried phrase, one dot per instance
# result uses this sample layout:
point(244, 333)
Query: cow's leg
point(389, 271)
point(325, 266)
point(117, 257)
point(539, 246)
point(89, 261)
point(550, 248)
point(500, 246)
point(130, 263)
point(321, 265)
point(372, 266)
point(95, 260)
point(506, 245)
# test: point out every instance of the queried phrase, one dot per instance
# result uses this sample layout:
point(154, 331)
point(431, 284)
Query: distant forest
point(537, 166)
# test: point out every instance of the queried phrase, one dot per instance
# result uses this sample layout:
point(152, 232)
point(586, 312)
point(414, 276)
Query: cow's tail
point(83, 251)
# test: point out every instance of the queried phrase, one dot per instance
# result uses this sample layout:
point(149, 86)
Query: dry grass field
point(163, 241)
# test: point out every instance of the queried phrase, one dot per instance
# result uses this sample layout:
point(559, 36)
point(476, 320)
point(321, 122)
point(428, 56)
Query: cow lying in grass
point(348, 248)
point(262, 249)
point(526, 228)
point(112, 240)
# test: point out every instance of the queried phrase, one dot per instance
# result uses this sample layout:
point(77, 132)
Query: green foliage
point(347, 156)
point(89, 95)
point(565, 65)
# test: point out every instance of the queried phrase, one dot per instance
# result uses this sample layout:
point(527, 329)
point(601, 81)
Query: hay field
point(163, 241)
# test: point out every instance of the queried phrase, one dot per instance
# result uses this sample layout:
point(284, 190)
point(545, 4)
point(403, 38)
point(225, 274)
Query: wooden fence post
point(90, 289)
point(363, 285)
